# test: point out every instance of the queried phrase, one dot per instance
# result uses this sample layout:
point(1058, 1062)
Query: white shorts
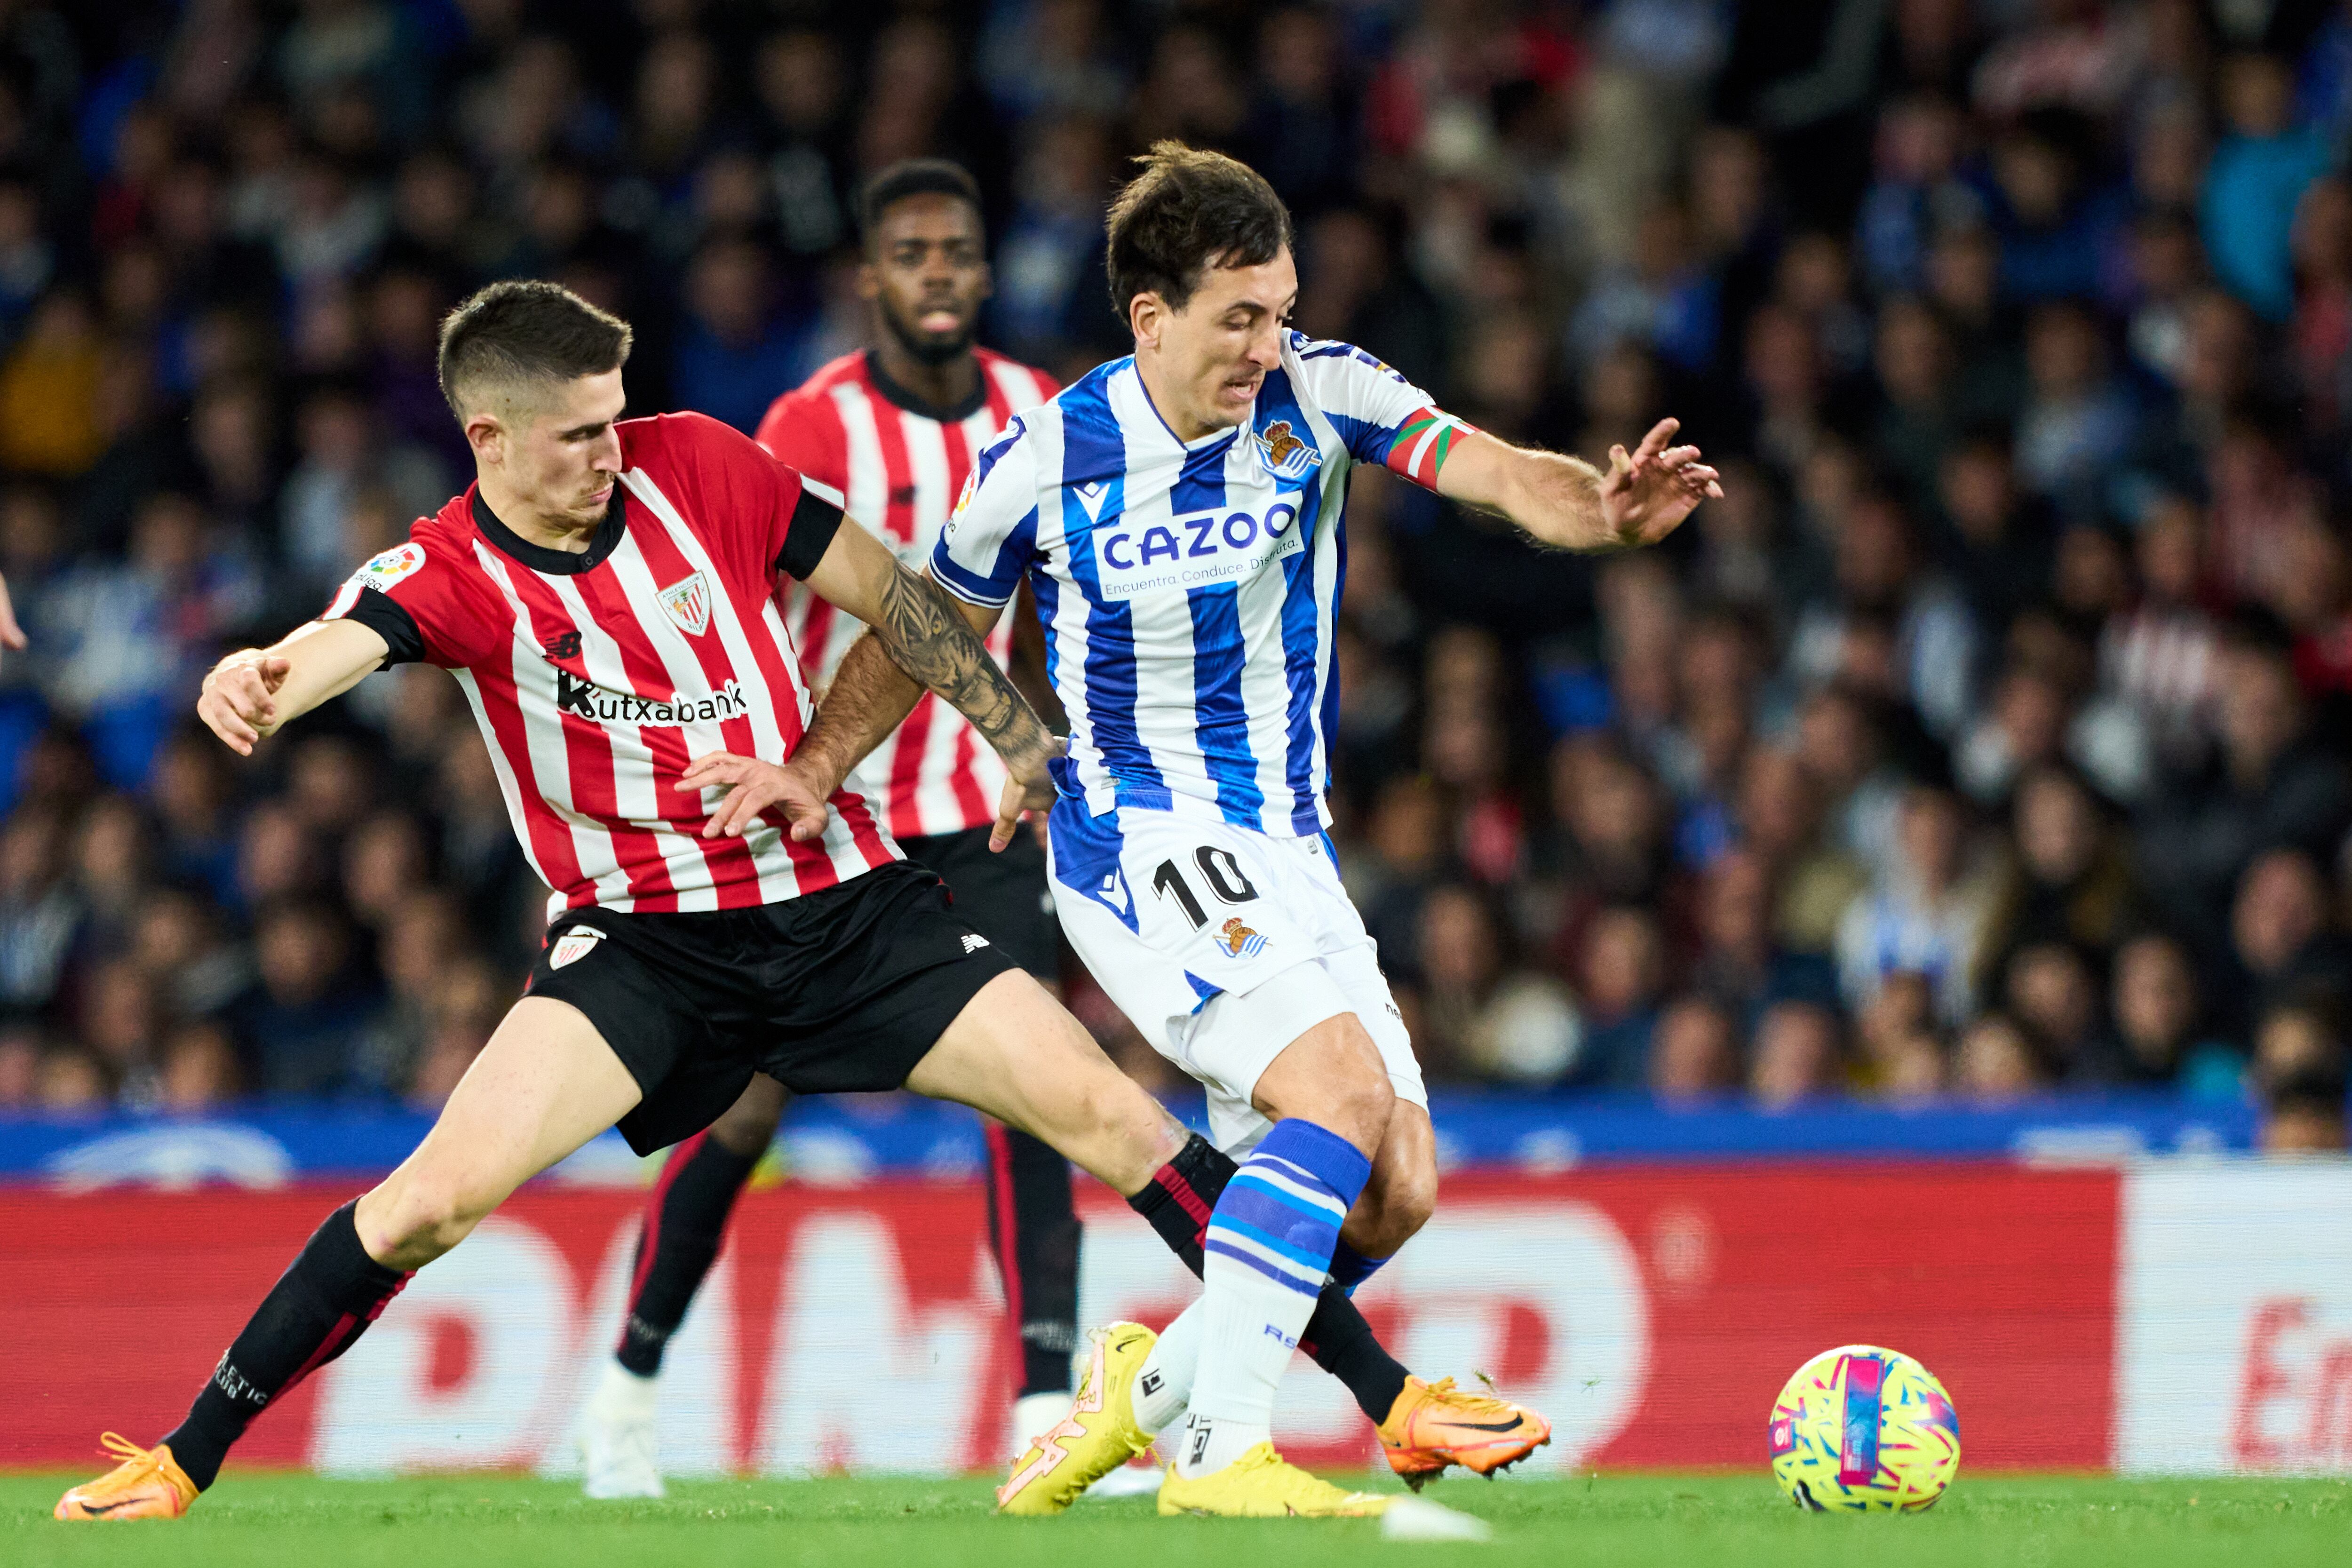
point(1221, 945)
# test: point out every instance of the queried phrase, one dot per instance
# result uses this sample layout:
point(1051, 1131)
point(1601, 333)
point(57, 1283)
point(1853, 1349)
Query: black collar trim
point(557, 563)
point(913, 403)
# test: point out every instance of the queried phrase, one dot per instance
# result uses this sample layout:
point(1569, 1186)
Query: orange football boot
point(148, 1484)
point(1434, 1424)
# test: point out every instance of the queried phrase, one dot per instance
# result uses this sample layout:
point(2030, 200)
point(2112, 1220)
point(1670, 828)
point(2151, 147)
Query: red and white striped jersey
point(597, 677)
point(899, 469)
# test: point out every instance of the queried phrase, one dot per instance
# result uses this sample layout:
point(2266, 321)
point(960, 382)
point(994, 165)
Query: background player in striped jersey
point(893, 430)
point(1178, 514)
point(605, 596)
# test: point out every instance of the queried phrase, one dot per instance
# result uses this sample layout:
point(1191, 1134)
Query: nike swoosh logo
point(87, 1506)
point(1485, 1425)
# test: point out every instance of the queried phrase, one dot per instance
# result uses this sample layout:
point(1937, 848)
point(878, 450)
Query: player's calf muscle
point(1402, 1193)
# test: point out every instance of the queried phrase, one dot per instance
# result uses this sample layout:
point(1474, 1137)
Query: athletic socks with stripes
point(1177, 1205)
point(686, 1217)
point(317, 1311)
point(1268, 1250)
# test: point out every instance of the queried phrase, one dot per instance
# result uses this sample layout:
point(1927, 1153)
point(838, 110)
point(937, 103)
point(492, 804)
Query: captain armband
point(1423, 443)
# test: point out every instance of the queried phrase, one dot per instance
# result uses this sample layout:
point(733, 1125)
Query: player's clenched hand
point(753, 786)
point(1025, 790)
point(239, 701)
point(1646, 496)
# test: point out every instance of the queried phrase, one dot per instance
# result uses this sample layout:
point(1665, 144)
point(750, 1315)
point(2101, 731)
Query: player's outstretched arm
point(930, 635)
point(1569, 504)
point(256, 691)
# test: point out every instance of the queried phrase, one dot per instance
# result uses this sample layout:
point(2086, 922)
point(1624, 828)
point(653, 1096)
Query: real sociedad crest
point(1286, 455)
point(688, 603)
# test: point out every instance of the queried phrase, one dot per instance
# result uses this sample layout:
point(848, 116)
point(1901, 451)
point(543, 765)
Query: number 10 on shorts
point(1223, 874)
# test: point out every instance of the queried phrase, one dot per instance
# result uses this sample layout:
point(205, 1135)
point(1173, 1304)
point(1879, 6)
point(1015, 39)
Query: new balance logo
point(563, 644)
point(973, 941)
point(589, 700)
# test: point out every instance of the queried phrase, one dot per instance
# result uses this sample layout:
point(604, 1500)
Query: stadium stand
point(1986, 741)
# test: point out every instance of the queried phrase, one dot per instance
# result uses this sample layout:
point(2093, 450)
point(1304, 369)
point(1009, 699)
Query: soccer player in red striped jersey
point(605, 595)
point(891, 431)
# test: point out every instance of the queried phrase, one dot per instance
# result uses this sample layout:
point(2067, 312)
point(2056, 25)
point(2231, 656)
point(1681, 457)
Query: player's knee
point(422, 1218)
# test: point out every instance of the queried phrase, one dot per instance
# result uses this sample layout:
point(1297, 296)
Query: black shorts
point(1003, 896)
point(834, 992)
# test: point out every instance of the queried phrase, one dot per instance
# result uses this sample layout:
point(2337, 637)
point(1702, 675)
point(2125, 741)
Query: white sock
point(1207, 1446)
point(1269, 1248)
point(621, 1395)
point(1033, 1414)
point(1164, 1387)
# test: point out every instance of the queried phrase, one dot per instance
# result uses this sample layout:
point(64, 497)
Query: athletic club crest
point(1240, 941)
point(574, 945)
point(688, 603)
point(1286, 455)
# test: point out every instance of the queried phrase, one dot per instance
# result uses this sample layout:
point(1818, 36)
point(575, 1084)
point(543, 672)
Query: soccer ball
point(1863, 1430)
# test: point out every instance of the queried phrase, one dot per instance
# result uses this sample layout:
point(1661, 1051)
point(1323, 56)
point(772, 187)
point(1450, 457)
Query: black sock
point(320, 1306)
point(1029, 1196)
point(1179, 1195)
point(1342, 1344)
point(1177, 1203)
point(684, 1217)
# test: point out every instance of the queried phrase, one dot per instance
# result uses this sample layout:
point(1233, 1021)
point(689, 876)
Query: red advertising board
point(1652, 1312)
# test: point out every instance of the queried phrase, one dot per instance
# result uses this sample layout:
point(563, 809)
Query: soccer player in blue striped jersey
point(1178, 516)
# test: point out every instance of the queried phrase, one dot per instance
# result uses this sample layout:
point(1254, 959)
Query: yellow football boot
point(1434, 1424)
point(1098, 1436)
point(1261, 1483)
point(148, 1484)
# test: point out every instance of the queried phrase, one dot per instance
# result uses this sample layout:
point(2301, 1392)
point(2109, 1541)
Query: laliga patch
point(388, 568)
point(1239, 941)
point(1286, 454)
point(574, 945)
point(687, 604)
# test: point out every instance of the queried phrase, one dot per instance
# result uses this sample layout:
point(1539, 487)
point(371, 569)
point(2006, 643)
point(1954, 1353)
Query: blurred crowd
point(1988, 739)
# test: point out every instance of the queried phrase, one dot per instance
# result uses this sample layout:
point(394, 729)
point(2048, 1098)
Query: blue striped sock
point(1351, 1267)
point(1269, 1245)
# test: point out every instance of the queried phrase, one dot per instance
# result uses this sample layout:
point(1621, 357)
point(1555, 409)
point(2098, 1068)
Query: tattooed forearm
point(869, 697)
point(924, 631)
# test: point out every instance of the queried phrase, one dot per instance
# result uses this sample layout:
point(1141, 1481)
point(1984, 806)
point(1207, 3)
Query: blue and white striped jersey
point(1187, 591)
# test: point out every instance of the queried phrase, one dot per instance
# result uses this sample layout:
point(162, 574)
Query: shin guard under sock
point(1177, 1205)
point(686, 1215)
point(320, 1306)
point(1033, 1228)
point(1269, 1254)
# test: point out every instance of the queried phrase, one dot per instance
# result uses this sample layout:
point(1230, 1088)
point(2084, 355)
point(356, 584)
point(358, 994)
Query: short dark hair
point(524, 330)
point(1189, 210)
point(912, 177)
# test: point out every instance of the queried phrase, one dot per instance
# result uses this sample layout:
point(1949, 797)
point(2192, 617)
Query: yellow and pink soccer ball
point(1863, 1430)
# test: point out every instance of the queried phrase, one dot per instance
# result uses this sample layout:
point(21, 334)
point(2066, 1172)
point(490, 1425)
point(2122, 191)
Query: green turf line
point(1622, 1521)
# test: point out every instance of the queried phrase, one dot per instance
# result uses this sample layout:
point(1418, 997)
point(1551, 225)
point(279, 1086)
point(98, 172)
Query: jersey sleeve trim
point(810, 533)
point(994, 589)
point(382, 615)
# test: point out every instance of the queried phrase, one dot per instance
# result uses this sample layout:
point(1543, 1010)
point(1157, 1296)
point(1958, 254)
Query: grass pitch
point(1624, 1521)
